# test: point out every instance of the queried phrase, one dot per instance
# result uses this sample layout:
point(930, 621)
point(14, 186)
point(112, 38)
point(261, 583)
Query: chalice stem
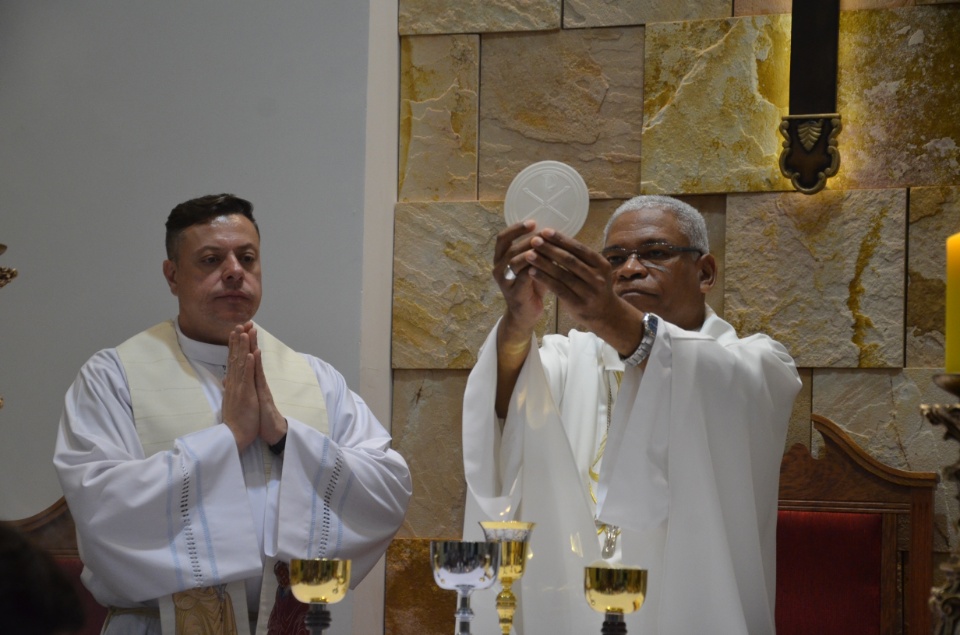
point(317, 618)
point(464, 612)
point(613, 624)
point(506, 607)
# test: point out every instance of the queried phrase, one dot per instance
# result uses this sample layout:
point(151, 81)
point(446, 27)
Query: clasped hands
point(248, 407)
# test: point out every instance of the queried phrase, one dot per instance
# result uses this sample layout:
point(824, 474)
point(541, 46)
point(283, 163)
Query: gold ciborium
point(462, 567)
point(615, 592)
point(319, 582)
point(512, 536)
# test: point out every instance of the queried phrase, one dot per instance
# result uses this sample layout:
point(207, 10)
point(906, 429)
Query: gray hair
point(690, 221)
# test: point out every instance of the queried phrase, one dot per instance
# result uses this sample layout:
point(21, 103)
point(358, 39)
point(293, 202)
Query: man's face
point(670, 283)
point(216, 277)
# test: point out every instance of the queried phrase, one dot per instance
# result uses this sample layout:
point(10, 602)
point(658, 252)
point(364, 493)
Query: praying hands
point(248, 407)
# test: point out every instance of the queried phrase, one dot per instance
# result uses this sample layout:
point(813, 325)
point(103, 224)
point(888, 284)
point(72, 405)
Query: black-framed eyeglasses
point(658, 253)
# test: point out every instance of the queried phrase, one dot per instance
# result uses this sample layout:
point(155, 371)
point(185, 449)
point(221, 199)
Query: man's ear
point(170, 274)
point(707, 272)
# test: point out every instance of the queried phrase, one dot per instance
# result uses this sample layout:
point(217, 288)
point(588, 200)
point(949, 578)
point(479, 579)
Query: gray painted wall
point(113, 112)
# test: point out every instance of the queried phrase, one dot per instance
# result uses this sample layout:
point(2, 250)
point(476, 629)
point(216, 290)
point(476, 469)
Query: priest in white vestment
point(652, 441)
point(202, 455)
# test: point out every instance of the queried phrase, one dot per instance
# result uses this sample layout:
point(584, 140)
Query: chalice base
point(317, 618)
point(613, 624)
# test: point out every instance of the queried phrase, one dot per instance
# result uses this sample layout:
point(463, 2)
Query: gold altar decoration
point(513, 536)
point(615, 592)
point(945, 600)
point(318, 582)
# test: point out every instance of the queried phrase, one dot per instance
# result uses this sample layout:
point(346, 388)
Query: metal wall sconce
point(6, 275)
point(810, 155)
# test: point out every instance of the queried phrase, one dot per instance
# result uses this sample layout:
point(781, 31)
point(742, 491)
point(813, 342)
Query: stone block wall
point(684, 98)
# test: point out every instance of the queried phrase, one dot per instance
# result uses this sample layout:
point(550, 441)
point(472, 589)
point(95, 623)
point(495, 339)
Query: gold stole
point(168, 403)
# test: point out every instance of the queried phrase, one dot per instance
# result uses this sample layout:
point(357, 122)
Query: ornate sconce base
point(810, 155)
point(6, 275)
point(945, 600)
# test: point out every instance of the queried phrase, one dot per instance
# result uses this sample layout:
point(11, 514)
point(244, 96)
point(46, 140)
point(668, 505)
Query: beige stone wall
point(684, 98)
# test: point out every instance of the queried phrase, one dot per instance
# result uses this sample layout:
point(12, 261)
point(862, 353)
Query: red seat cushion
point(95, 614)
point(828, 573)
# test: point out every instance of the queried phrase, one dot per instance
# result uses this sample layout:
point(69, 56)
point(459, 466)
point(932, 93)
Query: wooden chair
point(53, 530)
point(837, 560)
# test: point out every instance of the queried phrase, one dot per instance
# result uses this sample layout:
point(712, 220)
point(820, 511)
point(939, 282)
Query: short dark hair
point(199, 211)
point(36, 596)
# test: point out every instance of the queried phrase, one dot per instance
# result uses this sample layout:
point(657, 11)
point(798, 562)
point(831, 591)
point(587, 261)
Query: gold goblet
point(319, 582)
point(615, 592)
point(512, 536)
point(464, 566)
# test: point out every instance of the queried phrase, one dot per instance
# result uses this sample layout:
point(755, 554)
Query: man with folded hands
point(202, 455)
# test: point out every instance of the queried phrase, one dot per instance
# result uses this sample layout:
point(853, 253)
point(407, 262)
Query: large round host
point(551, 193)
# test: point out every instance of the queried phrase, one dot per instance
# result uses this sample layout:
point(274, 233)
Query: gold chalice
point(512, 536)
point(319, 582)
point(462, 567)
point(614, 591)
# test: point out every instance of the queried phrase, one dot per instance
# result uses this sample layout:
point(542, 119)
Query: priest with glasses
point(653, 439)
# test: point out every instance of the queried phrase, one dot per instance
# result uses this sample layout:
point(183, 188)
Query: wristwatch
point(277, 448)
point(650, 324)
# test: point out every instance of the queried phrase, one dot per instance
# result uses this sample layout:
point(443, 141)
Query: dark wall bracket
point(810, 155)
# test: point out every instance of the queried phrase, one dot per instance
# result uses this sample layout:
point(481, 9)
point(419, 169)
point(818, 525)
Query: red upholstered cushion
point(828, 573)
point(95, 613)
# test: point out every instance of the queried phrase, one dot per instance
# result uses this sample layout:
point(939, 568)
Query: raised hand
point(524, 297)
point(582, 280)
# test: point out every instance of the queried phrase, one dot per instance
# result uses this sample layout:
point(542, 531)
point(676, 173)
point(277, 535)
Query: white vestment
point(690, 474)
point(138, 518)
